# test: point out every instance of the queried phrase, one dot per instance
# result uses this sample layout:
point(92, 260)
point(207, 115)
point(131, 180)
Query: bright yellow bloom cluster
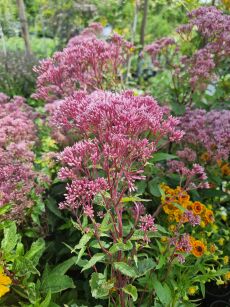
point(5, 281)
point(177, 200)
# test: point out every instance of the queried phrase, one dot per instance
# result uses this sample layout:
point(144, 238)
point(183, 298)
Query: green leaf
point(131, 290)
point(80, 254)
point(160, 156)
point(161, 262)
point(36, 250)
point(133, 199)
point(154, 189)
point(56, 283)
point(125, 269)
point(163, 292)
point(202, 288)
point(53, 207)
point(10, 238)
point(63, 267)
point(106, 225)
point(161, 229)
point(96, 258)
point(100, 287)
point(24, 267)
point(5, 209)
point(145, 265)
point(141, 186)
point(84, 240)
point(121, 246)
point(46, 302)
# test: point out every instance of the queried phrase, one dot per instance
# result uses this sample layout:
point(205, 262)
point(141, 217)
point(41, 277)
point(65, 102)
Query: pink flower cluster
point(88, 62)
point(147, 224)
point(194, 178)
point(191, 218)
point(207, 131)
point(199, 68)
point(158, 47)
point(17, 136)
point(214, 26)
point(113, 127)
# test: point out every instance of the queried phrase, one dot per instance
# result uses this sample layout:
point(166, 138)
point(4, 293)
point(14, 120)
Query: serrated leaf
point(125, 269)
point(10, 238)
point(121, 246)
point(56, 283)
point(100, 287)
point(131, 290)
point(96, 258)
point(84, 240)
point(36, 250)
point(145, 265)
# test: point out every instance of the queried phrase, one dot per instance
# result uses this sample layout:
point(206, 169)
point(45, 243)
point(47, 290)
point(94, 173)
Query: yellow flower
point(226, 260)
point(172, 228)
point(221, 241)
point(164, 239)
point(5, 281)
point(227, 276)
point(224, 217)
point(215, 228)
point(202, 224)
point(213, 248)
point(192, 290)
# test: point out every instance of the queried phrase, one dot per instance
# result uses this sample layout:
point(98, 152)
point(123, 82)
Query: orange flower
point(205, 156)
point(197, 207)
point(183, 197)
point(189, 205)
point(225, 169)
point(208, 215)
point(198, 248)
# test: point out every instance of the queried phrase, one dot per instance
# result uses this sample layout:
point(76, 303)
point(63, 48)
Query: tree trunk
point(24, 26)
point(143, 23)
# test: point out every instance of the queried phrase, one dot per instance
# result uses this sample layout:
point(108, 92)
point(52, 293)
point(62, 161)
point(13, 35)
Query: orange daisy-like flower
point(205, 156)
point(197, 208)
point(225, 170)
point(198, 248)
point(188, 205)
point(209, 216)
point(183, 197)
